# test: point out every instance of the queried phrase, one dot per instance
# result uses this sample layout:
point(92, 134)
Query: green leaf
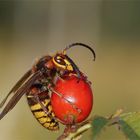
point(130, 125)
point(98, 124)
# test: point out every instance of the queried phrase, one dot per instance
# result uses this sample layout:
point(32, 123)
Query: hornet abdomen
point(42, 110)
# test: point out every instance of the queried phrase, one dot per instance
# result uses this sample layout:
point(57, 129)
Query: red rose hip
point(76, 100)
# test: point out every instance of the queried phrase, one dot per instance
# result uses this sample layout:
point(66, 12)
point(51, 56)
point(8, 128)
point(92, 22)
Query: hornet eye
point(60, 60)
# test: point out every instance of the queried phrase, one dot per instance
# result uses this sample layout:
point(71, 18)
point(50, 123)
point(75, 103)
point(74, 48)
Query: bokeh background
point(30, 29)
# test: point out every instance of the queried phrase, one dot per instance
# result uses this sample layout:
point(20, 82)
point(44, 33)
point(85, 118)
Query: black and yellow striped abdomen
point(46, 119)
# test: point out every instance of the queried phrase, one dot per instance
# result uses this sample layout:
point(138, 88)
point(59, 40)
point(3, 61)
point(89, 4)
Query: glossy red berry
point(76, 100)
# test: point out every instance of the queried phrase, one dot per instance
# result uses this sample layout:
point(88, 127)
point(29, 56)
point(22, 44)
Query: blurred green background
point(30, 29)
